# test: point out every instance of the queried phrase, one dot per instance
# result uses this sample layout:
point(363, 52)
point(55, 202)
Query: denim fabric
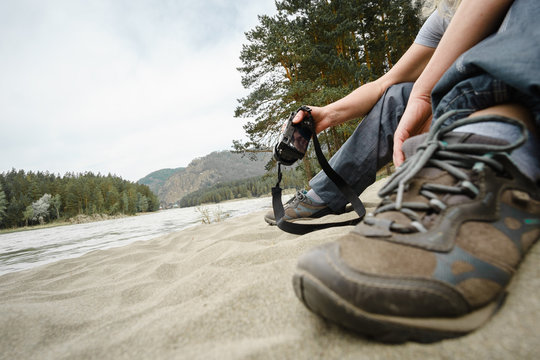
point(367, 150)
point(505, 67)
point(525, 157)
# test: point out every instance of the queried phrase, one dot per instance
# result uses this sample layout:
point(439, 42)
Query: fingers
point(298, 117)
point(398, 156)
point(320, 117)
point(315, 112)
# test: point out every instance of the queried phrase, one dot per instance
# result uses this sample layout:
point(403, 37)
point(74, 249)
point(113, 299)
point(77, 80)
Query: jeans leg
point(367, 150)
point(507, 61)
point(483, 91)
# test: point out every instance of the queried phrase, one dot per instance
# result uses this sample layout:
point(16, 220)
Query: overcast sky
point(120, 86)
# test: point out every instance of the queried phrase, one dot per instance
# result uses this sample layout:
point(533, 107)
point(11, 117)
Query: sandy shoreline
point(218, 291)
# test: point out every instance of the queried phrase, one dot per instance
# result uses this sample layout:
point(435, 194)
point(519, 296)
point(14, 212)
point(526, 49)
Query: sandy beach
point(219, 291)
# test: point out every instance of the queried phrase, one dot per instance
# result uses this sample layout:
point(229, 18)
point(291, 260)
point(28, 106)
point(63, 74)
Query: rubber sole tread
point(326, 303)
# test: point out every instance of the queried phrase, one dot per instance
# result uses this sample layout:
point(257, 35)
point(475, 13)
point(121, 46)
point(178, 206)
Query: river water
point(27, 249)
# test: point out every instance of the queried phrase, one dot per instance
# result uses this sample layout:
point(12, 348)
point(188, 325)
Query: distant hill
point(155, 180)
point(220, 166)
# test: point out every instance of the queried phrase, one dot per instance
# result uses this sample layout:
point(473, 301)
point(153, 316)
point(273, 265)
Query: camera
point(294, 139)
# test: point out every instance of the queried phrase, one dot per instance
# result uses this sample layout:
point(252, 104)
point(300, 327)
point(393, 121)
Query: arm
point(473, 21)
point(359, 102)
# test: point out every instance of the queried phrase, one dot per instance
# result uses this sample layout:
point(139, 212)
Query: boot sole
point(385, 328)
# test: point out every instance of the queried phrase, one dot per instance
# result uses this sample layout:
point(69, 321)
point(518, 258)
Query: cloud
point(125, 87)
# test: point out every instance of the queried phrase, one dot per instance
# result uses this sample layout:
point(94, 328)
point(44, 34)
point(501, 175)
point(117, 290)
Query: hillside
point(155, 180)
point(219, 166)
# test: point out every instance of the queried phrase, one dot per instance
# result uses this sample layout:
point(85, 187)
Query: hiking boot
point(301, 206)
point(433, 261)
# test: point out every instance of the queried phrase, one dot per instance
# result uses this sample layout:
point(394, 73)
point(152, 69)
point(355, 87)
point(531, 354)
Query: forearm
point(355, 105)
point(361, 101)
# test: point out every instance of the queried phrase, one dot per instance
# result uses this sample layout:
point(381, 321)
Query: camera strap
point(300, 229)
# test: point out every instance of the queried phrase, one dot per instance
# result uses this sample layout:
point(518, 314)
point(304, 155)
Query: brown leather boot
point(435, 258)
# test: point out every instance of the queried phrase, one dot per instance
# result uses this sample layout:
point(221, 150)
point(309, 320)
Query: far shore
point(103, 217)
point(35, 227)
point(79, 219)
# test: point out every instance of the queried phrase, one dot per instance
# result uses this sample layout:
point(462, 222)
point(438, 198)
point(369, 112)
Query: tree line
point(38, 197)
point(251, 187)
point(315, 52)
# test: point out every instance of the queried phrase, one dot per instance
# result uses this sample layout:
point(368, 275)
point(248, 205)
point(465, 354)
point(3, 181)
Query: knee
point(402, 90)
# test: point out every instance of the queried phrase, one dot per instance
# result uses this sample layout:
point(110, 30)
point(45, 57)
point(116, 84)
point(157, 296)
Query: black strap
point(300, 229)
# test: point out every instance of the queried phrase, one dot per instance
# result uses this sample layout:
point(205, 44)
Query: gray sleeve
point(432, 31)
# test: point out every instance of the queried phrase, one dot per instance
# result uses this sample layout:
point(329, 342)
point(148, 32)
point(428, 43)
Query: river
point(27, 249)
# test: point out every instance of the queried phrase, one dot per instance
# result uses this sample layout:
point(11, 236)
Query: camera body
point(294, 139)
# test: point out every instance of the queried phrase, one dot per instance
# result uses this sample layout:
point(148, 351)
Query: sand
point(219, 291)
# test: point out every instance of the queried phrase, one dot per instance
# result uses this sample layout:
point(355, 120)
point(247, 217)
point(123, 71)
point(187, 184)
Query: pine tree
point(316, 52)
point(3, 204)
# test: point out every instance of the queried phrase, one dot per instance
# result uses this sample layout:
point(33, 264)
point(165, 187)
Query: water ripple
point(27, 249)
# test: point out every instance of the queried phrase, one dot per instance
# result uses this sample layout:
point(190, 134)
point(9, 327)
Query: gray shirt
point(432, 31)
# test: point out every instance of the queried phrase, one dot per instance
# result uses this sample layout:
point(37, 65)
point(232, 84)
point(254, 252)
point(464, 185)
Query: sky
point(124, 87)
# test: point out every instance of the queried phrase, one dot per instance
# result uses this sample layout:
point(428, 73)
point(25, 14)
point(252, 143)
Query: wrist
point(329, 115)
point(421, 91)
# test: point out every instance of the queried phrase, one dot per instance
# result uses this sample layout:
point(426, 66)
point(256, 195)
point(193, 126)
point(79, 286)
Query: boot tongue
point(410, 146)
point(479, 139)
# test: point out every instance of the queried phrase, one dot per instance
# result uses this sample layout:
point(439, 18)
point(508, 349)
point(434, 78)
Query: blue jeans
point(367, 150)
point(504, 68)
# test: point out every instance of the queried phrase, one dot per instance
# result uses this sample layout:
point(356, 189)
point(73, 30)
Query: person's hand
point(415, 120)
point(322, 118)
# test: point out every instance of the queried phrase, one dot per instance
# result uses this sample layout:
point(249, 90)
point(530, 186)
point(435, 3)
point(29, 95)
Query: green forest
point(246, 188)
point(28, 198)
point(315, 52)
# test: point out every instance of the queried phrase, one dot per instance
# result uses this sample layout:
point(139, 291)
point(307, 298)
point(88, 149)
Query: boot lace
point(452, 158)
point(297, 198)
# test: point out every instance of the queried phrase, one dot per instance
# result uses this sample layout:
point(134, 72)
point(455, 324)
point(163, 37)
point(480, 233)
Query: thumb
point(298, 117)
point(398, 155)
